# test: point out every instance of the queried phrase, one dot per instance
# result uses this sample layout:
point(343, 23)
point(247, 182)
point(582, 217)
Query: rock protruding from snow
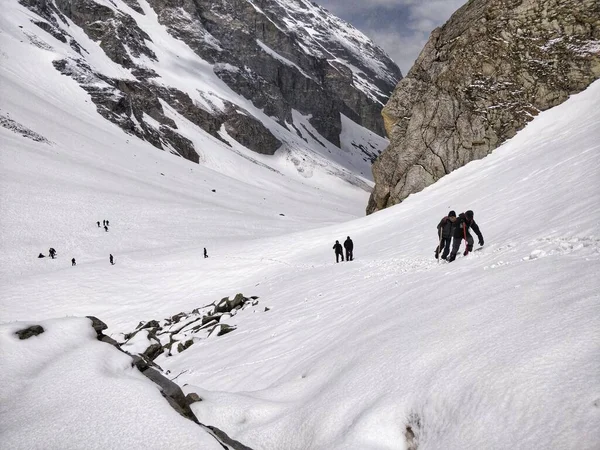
point(170, 390)
point(481, 77)
point(31, 331)
point(176, 334)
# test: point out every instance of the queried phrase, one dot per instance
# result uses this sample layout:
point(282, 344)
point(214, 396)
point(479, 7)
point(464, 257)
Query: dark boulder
point(33, 330)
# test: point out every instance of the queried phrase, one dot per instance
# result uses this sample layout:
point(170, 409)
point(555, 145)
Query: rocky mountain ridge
point(255, 63)
point(479, 80)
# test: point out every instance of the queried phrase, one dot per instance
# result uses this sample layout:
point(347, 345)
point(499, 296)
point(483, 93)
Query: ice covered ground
point(496, 350)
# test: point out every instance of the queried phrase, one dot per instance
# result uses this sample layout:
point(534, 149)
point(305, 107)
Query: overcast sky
point(400, 27)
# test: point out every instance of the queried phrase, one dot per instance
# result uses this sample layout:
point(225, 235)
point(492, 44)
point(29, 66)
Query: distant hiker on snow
point(464, 222)
point(107, 224)
point(98, 224)
point(104, 223)
point(349, 246)
point(205, 253)
point(338, 251)
point(445, 231)
point(105, 228)
point(73, 263)
point(110, 258)
point(52, 252)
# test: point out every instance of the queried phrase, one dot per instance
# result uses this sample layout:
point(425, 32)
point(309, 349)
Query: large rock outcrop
point(480, 78)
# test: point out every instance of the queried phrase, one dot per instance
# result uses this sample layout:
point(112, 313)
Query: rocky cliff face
point(480, 78)
point(276, 55)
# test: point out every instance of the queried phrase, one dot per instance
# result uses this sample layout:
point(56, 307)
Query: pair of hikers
point(110, 258)
point(348, 245)
point(456, 228)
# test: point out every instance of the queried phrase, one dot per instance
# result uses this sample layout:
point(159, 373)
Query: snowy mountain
point(393, 350)
point(275, 76)
point(498, 349)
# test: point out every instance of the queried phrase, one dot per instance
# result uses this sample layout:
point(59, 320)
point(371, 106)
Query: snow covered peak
point(324, 35)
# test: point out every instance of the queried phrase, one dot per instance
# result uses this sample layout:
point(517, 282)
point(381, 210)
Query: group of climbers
point(453, 229)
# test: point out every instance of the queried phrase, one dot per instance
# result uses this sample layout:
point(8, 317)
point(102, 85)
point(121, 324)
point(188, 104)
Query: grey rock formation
point(480, 78)
point(176, 334)
point(252, 134)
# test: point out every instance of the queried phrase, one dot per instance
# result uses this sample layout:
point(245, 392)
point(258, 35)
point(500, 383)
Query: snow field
point(64, 389)
point(496, 350)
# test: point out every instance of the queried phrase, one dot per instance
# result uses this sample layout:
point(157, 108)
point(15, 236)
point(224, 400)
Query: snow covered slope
point(496, 350)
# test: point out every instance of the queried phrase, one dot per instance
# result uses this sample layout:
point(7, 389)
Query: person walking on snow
point(105, 228)
point(52, 252)
point(98, 224)
point(338, 251)
point(349, 246)
point(73, 263)
point(107, 224)
point(111, 259)
point(205, 253)
point(445, 231)
point(464, 223)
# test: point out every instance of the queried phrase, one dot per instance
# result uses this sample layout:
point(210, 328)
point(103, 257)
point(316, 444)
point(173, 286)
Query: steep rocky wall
point(480, 78)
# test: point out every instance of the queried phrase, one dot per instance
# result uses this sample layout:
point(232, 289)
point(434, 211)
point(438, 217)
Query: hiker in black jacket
point(464, 223)
point(338, 251)
point(349, 246)
point(445, 231)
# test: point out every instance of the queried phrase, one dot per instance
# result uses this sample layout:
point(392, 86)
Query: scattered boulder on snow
point(41, 255)
point(33, 330)
point(179, 332)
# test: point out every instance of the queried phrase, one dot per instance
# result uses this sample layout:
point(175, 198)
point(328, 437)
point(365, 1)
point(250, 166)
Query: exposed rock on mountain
point(480, 78)
point(312, 61)
point(278, 55)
